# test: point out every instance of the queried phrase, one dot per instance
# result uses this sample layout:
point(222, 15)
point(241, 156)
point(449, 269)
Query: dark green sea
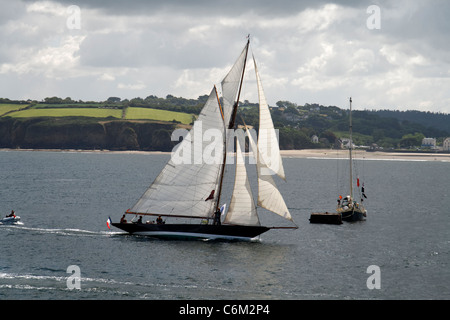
point(65, 198)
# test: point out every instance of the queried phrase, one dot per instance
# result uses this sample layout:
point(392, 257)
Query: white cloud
point(106, 77)
point(47, 7)
point(132, 86)
point(307, 51)
point(50, 61)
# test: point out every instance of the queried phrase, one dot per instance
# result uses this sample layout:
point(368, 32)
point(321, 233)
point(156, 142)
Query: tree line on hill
point(298, 124)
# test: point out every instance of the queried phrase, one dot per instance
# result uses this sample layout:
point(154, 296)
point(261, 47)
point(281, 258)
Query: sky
point(384, 54)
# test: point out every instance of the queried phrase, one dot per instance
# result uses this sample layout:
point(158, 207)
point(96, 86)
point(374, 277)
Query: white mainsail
point(184, 185)
point(242, 208)
point(268, 146)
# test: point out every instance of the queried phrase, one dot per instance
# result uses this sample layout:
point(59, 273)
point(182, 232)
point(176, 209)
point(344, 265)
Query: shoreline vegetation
point(305, 154)
point(146, 125)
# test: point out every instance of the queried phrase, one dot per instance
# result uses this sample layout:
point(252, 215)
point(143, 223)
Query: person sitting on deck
point(12, 214)
point(123, 220)
point(159, 220)
point(217, 218)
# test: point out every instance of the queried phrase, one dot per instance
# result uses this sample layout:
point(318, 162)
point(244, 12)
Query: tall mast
point(350, 152)
point(231, 124)
point(235, 106)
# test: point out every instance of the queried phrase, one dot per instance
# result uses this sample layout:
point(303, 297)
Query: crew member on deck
point(12, 214)
point(217, 218)
point(159, 220)
point(123, 220)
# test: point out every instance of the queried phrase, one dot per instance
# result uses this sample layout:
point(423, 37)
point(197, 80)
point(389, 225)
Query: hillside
point(146, 124)
point(84, 133)
point(428, 119)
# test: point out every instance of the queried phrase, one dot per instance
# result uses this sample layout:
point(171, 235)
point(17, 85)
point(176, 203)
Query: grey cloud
point(201, 7)
point(305, 53)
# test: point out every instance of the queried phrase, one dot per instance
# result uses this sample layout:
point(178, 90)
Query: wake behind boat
point(187, 192)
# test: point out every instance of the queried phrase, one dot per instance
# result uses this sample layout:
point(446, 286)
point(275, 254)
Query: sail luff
point(222, 169)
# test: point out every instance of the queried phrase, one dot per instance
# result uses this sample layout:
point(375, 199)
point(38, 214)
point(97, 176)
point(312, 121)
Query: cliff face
point(59, 133)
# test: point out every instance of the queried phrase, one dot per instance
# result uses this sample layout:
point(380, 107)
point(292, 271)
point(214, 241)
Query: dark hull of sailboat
point(353, 215)
point(193, 231)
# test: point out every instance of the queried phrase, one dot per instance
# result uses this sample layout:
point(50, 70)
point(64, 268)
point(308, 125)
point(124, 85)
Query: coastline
point(363, 155)
point(305, 153)
point(90, 151)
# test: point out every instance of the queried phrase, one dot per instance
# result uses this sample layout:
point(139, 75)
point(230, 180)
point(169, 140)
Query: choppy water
point(65, 198)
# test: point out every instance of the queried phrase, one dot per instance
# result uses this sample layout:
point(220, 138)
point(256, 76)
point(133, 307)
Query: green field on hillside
point(92, 111)
point(158, 115)
point(6, 107)
point(67, 112)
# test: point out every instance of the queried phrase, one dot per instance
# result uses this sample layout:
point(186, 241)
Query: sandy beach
point(306, 153)
point(362, 154)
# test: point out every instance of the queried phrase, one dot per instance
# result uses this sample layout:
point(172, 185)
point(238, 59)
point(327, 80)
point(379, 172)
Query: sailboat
point(186, 195)
point(350, 209)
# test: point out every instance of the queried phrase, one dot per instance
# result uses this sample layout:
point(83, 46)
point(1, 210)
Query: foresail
point(269, 197)
point(230, 85)
point(242, 208)
point(187, 186)
point(268, 145)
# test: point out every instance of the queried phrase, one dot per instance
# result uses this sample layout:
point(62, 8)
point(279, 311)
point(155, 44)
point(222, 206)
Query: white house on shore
point(429, 143)
point(446, 145)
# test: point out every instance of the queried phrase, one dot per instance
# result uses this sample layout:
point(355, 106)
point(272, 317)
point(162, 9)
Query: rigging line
point(337, 171)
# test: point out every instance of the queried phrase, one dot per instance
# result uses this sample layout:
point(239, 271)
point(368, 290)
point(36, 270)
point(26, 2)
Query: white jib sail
point(268, 146)
point(269, 197)
point(242, 208)
point(191, 175)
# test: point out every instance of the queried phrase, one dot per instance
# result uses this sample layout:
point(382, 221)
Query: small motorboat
point(10, 220)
